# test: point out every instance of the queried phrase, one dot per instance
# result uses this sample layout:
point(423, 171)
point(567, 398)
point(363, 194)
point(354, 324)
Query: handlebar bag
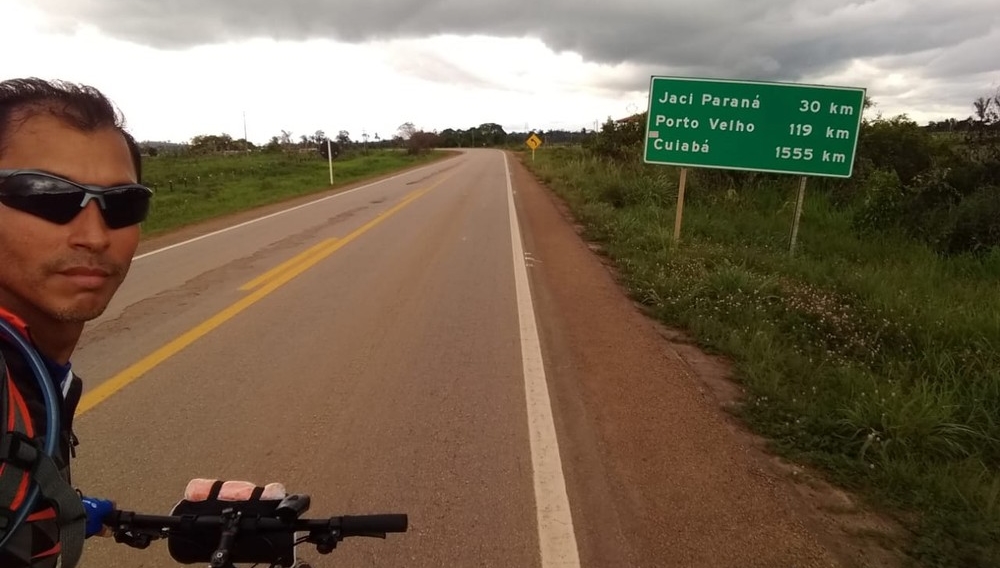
point(277, 548)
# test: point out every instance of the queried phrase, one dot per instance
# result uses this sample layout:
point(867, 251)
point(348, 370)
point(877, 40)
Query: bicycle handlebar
point(345, 526)
point(240, 535)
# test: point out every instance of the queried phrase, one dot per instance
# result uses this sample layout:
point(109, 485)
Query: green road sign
point(753, 125)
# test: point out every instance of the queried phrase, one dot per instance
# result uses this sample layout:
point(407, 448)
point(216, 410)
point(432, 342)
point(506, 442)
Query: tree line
point(407, 136)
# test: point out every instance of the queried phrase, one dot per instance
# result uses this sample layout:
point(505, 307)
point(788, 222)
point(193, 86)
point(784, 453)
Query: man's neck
point(54, 339)
point(56, 342)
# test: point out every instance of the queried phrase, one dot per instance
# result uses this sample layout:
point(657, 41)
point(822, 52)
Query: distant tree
point(344, 138)
point(984, 109)
point(491, 134)
point(621, 140)
point(986, 126)
point(420, 142)
point(406, 130)
point(211, 143)
point(896, 144)
point(450, 138)
point(243, 145)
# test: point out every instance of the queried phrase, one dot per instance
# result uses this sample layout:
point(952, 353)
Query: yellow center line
point(268, 282)
point(317, 250)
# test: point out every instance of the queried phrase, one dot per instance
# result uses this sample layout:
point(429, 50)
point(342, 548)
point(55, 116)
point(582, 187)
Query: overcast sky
point(179, 68)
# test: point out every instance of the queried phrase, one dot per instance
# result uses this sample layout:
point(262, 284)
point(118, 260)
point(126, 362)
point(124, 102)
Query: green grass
point(190, 189)
point(872, 358)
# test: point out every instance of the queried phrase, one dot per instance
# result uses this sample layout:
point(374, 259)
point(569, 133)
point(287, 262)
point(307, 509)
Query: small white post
point(329, 157)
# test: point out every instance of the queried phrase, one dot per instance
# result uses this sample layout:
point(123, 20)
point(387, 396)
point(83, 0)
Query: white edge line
point(556, 537)
point(283, 211)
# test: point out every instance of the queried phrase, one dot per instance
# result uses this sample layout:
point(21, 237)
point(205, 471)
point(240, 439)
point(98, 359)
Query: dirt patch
point(689, 484)
point(858, 534)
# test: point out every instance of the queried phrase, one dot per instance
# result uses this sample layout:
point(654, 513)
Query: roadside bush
point(977, 223)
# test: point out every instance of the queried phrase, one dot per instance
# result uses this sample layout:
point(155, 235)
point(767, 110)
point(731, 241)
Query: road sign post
point(798, 215)
point(784, 128)
point(533, 142)
point(680, 206)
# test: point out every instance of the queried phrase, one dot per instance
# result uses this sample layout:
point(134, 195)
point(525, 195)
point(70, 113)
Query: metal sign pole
point(798, 215)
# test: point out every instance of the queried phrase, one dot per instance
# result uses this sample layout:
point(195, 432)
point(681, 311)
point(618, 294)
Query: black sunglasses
point(59, 200)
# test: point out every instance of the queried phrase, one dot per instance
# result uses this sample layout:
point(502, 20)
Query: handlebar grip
point(361, 524)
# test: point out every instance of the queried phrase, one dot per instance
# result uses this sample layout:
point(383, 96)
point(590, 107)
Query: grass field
point(874, 359)
point(190, 189)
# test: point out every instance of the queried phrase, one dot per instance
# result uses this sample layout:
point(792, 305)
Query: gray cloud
point(764, 39)
point(431, 67)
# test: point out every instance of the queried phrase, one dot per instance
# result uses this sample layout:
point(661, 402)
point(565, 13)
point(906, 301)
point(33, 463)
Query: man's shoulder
point(15, 364)
point(15, 325)
point(9, 356)
point(17, 369)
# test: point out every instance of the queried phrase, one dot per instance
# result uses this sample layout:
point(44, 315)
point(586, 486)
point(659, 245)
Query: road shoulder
point(659, 473)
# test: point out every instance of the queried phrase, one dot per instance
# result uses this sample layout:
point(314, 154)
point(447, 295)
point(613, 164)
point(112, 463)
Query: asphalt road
point(381, 350)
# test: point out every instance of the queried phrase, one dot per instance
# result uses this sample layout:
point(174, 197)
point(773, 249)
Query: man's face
point(64, 273)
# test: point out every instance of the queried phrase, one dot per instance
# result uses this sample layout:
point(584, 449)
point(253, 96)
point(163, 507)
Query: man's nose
point(88, 229)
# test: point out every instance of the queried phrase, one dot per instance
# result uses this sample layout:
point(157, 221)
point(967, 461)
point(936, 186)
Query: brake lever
point(136, 538)
point(325, 541)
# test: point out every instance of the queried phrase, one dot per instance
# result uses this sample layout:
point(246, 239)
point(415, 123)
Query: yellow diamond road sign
point(533, 141)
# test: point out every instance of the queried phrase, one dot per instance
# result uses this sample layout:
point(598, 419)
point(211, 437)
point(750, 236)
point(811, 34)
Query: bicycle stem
point(231, 519)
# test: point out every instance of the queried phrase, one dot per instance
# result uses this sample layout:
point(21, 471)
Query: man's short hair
point(81, 106)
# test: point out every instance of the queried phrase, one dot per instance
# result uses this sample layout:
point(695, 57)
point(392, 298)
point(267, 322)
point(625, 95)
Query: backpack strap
point(13, 479)
point(23, 461)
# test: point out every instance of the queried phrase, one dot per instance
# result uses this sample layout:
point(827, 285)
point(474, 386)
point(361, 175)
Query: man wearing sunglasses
point(71, 203)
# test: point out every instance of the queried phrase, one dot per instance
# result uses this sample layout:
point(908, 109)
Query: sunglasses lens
point(59, 201)
point(34, 184)
point(126, 207)
point(58, 208)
